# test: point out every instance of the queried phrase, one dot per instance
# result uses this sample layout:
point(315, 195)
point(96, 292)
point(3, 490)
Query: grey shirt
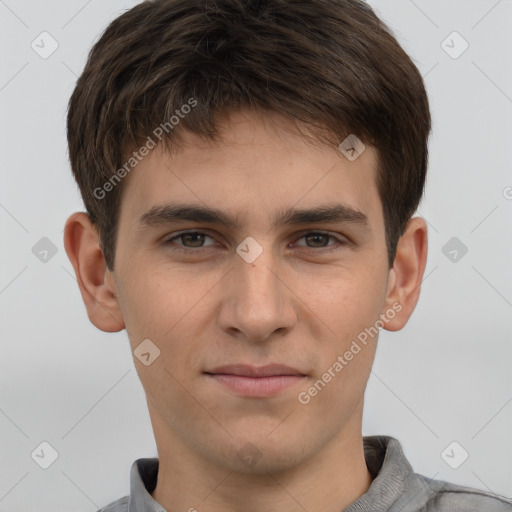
point(395, 487)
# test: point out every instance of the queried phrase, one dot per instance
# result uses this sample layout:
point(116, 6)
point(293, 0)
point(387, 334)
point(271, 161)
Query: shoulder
point(120, 505)
point(404, 490)
point(450, 497)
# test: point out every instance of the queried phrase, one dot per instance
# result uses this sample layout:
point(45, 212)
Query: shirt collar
point(384, 458)
point(390, 472)
point(143, 477)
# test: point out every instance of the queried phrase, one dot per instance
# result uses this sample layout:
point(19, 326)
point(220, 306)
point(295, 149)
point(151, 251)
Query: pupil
point(319, 236)
point(194, 235)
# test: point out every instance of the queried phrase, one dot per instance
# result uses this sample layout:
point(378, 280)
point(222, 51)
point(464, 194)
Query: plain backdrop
point(445, 378)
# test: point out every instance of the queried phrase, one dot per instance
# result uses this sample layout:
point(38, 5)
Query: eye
point(320, 241)
point(191, 240)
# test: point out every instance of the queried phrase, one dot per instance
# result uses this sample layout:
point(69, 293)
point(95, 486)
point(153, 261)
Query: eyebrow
point(168, 213)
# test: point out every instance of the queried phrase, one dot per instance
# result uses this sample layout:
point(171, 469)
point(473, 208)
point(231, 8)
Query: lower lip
point(256, 386)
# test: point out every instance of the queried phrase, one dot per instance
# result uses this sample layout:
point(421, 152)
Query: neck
point(329, 482)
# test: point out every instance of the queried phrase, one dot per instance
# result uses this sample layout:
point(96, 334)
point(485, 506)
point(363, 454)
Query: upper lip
point(246, 370)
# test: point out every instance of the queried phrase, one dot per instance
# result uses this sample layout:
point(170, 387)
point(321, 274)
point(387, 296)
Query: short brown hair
point(332, 64)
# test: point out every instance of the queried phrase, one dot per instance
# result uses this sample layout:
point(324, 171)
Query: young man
point(250, 171)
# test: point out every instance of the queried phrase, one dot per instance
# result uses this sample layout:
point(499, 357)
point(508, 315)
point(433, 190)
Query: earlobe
point(98, 291)
point(405, 277)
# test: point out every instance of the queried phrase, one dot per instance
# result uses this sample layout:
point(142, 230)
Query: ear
point(405, 276)
point(96, 282)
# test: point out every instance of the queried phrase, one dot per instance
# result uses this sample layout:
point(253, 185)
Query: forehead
point(258, 164)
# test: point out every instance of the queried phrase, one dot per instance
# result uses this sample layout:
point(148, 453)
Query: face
point(264, 287)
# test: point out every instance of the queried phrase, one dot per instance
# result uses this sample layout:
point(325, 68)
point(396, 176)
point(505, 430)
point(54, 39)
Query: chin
point(260, 455)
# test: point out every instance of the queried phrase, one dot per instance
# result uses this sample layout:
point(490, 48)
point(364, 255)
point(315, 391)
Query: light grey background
point(446, 377)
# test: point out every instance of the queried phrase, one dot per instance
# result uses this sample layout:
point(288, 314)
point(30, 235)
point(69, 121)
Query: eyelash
point(323, 250)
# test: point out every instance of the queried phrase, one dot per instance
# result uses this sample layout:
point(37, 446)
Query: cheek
point(350, 308)
point(347, 300)
point(164, 307)
point(167, 306)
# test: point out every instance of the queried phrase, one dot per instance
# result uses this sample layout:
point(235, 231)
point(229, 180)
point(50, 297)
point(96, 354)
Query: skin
point(294, 304)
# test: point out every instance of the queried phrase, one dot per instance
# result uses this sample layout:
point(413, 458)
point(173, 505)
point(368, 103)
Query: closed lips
point(243, 370)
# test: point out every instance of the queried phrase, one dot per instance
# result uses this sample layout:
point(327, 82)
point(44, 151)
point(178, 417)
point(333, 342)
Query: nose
point(257, 302)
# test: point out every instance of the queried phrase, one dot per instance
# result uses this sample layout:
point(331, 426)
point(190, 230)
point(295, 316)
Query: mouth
point(257, 382)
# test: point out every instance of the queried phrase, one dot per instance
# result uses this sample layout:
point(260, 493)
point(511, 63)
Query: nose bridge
point(257, 280)
point(258, 303)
